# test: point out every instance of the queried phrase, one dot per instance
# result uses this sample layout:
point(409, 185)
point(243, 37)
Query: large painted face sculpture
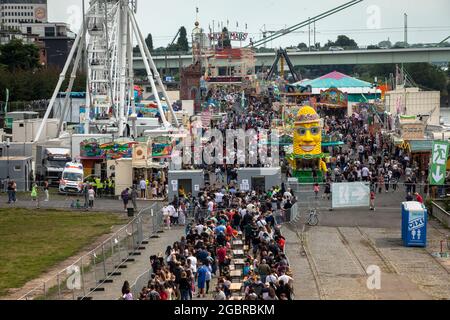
point(307, 132)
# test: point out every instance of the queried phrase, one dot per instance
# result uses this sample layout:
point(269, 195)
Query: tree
point(302, 46)
point(149, 42)
point(17, 55)
point(427, 76)
point(182, 42)
point(385, 44)
point(225, 41)
point(345, 42)
point(400, 44)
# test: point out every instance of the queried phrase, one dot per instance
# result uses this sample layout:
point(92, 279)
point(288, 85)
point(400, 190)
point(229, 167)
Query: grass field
point(31, 241)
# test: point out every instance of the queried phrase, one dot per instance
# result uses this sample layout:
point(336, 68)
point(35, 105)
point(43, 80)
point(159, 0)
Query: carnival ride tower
point(105, 40)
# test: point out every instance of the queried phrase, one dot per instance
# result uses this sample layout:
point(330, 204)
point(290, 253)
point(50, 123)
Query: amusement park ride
point(106, 36)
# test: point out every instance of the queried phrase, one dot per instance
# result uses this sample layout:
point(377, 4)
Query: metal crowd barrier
point(90, 272)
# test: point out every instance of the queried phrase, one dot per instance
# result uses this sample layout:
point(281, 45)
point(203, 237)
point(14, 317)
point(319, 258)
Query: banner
point(233, 36)
point(439, 163)
point(350, 195)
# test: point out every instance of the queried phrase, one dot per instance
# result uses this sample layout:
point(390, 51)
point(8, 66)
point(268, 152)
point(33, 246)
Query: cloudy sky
point(368, 22)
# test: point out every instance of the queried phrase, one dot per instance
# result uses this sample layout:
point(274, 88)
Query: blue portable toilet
point(414, 224)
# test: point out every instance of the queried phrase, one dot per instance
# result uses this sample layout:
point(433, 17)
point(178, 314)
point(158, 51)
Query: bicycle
point(313, 217)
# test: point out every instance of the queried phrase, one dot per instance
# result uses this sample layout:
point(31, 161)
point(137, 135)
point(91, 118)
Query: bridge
point(350, 57)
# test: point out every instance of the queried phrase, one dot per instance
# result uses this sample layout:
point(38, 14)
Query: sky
point(368, 22)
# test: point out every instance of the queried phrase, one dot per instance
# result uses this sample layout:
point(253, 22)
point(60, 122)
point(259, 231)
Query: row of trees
point(24, 77)
point(425, 75)
point(181, 44)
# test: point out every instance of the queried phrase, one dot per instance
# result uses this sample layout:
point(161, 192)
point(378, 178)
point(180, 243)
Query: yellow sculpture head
point(307, 132)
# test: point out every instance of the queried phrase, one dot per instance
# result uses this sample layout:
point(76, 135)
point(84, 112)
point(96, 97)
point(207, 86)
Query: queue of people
point(198, 265)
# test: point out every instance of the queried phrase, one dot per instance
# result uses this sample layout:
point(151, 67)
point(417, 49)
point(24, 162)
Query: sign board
point(175, 185)
point(350, 195)
point(438, 163)
point(413, 131)
point(245, 187)
point(233, 36)
point(196, 187)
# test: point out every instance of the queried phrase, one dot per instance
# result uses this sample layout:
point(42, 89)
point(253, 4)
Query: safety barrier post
point(103, 258)
point(82, 276)
point(59, 287)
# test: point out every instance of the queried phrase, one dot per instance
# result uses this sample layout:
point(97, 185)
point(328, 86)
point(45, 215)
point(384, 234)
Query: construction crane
point(283, 32)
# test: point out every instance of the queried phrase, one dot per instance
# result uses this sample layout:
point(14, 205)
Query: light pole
point(7, 144)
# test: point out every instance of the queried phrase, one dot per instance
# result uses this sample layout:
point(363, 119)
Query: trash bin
point(414, 224)
point(130, 212)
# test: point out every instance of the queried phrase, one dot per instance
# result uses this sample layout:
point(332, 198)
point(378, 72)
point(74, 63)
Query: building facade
point(14, 13)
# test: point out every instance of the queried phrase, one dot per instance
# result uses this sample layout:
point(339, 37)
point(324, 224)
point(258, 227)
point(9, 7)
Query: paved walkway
point(332, 264)
point(140, 266)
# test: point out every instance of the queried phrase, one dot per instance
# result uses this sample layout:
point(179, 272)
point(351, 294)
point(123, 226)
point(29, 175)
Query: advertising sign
point(352, 194)
point(438, 163)
point(234, 36)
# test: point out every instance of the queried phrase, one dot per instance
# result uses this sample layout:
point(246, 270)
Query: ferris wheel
point(104, 47)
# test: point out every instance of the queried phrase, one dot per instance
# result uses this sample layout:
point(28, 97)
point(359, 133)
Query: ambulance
point(72, 178)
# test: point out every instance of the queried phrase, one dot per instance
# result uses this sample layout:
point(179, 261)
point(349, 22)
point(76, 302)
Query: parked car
point(336, 49)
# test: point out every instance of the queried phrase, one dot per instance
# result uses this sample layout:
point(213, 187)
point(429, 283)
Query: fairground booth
point(337, 92)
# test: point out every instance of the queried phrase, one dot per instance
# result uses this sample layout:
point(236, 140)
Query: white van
point(72, 178)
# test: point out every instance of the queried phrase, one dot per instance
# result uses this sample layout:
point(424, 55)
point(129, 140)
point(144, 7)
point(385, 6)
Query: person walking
point(125, 195)
point(143, 186)
point(201, 280)
point(86, 195)
point(134, 196)
point(372, 200)
point(34, 192)
point(47, 198)
point(10, 191)
point(316, 190)
point(419, 198)
point(91, 196)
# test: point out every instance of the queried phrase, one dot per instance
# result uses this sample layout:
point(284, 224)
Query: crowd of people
point(199, 263)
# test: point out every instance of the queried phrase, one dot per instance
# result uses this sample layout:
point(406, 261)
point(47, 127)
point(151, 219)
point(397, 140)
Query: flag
point(196, 8)
point(237, 24)
point(7, 100)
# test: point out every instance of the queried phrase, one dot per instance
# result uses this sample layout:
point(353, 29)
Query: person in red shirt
point(221, 256)
point(229, 232)
point(419, 198)
point(281, 243)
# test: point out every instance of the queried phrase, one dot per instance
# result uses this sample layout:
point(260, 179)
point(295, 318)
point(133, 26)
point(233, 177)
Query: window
point(49, 31)
point(17, 168)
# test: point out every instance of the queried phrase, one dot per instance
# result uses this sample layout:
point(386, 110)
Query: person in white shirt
point(193, 261)
point(219, 197)
point(172, 212)
point(286, 279)
point(210, 206)
point(143, 187)
point(166, 216)
point(199, 228)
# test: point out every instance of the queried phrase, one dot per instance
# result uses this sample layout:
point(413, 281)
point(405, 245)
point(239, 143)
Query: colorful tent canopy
point(340, 81)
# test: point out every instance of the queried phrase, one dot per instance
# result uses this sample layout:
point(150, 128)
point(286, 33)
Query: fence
point(90, 272)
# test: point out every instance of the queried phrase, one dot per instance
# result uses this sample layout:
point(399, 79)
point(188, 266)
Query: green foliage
point(182, 42)
point(342, 41)
point(225, 41)
point(302, 45)
point(29, 85)
point(427, 75)
point(19, 56)
point(149, 42)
